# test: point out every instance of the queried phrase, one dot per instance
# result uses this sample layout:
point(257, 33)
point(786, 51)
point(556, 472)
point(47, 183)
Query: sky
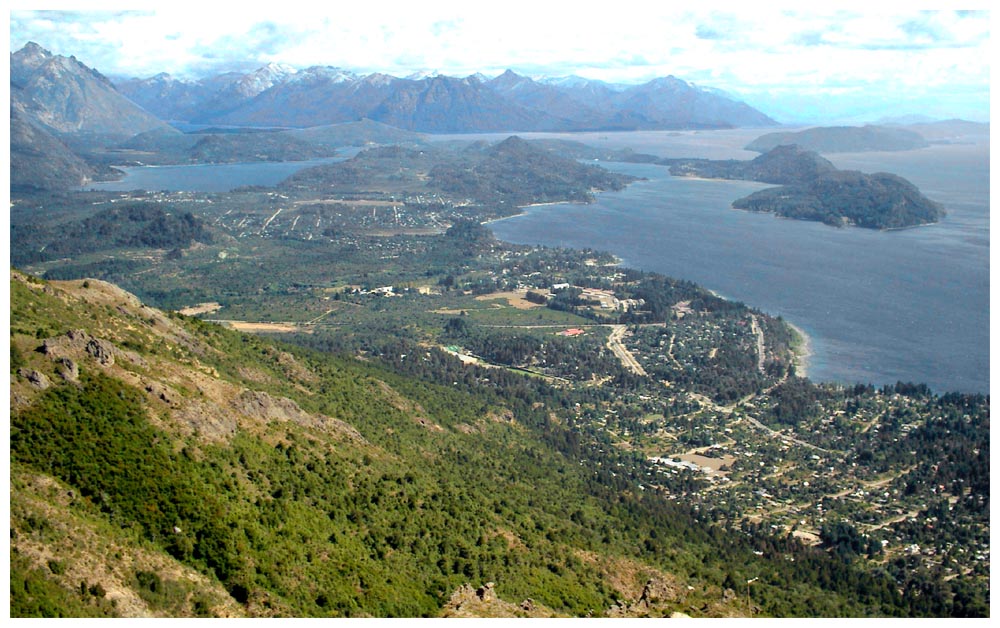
point(843, 62)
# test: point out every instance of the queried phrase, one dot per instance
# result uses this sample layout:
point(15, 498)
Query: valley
point(339, 394)
point(693, 400)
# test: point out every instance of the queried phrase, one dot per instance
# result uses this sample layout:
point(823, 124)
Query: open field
point(201, 308)
point(516, 299)
point(263, 328)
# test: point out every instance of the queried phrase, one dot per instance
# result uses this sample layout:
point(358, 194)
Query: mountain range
point(65, 115)
point(277, 95)
point(70, 123)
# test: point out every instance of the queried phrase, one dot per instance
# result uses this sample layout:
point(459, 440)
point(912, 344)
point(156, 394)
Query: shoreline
point(801, 347)
point(801, 350)
point(521, 211)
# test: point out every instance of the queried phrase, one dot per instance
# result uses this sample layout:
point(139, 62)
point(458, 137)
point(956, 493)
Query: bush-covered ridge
point(876, 201)
point(442, 484)
point(843, 139)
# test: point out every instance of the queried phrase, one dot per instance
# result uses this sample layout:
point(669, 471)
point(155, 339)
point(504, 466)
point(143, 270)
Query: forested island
point(812, 188)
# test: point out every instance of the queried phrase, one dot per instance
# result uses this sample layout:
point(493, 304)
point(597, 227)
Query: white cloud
point(732, 48)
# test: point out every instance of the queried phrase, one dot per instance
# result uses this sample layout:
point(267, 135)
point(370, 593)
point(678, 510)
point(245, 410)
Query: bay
point(206, 177)
point(879, 307)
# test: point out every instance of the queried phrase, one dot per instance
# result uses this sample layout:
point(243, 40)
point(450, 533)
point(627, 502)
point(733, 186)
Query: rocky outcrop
point(76, 342)
point(35, 378)
point(659, 598)
point(68, 370)
point(468, 601)
point(101, 350)
point(209, 420)
point(261, 406)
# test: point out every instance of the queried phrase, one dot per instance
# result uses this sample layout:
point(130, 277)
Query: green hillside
point(165, 466)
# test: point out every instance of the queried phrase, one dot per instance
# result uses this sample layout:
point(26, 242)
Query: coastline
point(801, 350)
point(521, 211)
point(801, 346)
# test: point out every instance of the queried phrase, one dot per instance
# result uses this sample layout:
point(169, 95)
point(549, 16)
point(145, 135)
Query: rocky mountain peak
point(31, 50)
point(510, 80)
point(64, 95)
point(26, 61)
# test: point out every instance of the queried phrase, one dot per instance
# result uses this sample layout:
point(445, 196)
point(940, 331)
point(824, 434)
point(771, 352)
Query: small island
point(812, 188)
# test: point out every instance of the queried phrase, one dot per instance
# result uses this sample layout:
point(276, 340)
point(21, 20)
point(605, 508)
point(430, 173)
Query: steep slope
point(39, 160)
point(315, 96)
point(68, 98)
point(176, 468)
point(177, 99)
point(589, 91)
point(434, 103)
point(551, 99)
point(447, 105)
point(167, 97)
point(672, 103)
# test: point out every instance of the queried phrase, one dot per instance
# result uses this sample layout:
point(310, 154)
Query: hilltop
point(493, 180)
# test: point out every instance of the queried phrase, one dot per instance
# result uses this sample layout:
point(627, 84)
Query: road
point(627, 359)
point(760, 343)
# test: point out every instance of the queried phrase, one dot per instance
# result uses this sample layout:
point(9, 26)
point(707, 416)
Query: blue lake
point(909, 305)
point(205, 177)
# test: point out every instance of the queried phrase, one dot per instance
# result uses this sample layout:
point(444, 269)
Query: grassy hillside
point(164, 466)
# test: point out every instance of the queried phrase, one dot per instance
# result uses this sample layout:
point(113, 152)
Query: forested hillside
point(161, 465)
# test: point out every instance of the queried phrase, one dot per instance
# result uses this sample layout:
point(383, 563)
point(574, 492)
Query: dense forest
point(131, 225)
point(877, 201)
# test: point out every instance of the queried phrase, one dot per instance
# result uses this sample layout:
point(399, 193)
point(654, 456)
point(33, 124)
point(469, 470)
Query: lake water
point(879, 307)
point(205, 177)
point(910, 305)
